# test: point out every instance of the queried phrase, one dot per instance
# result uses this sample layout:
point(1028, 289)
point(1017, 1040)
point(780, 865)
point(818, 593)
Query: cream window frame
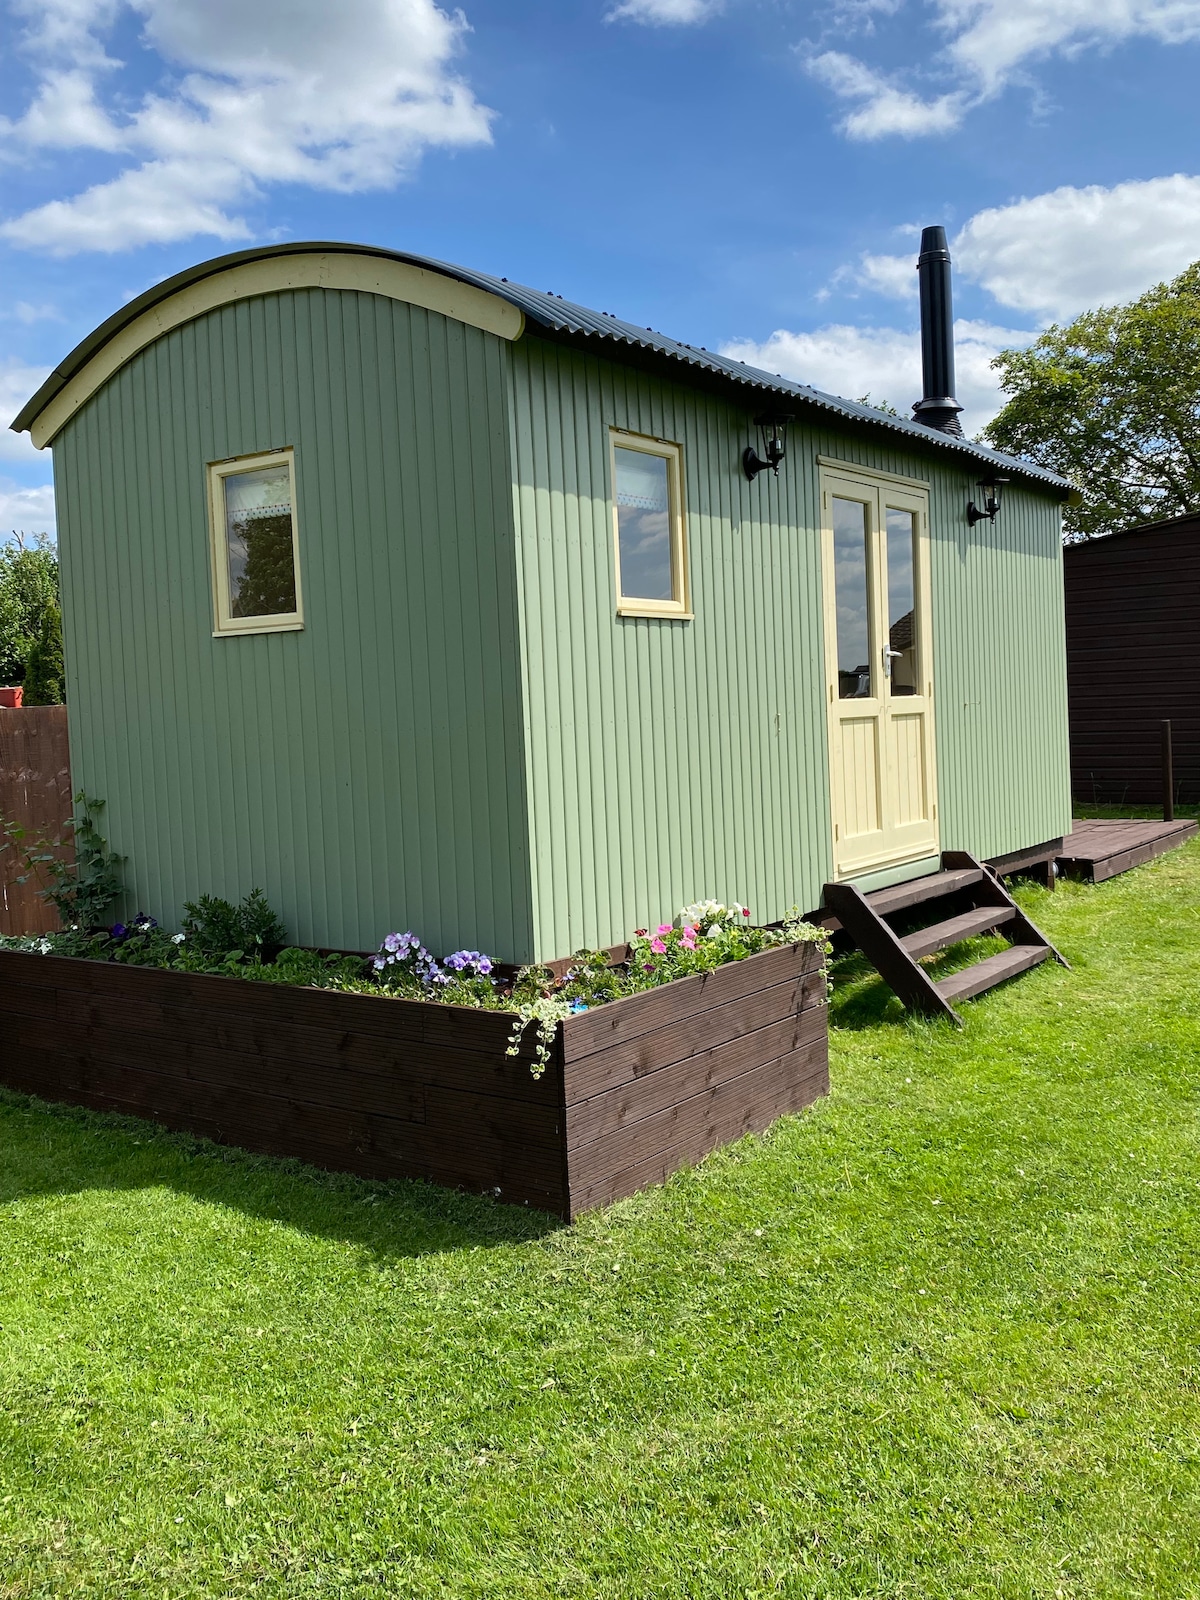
point(679, 607)
point(225, 624)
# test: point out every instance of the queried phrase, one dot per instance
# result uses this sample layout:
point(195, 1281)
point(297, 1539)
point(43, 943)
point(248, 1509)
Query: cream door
point(879, 669)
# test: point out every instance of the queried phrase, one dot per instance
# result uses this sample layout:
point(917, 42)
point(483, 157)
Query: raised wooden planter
point(404, 1089)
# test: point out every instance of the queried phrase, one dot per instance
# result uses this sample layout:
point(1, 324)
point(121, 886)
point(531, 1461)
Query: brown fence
point(35, 794)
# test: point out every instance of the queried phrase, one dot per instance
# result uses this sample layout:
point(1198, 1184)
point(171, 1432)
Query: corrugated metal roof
point(557, 316)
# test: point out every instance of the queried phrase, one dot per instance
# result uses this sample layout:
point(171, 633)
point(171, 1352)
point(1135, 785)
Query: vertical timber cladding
point(313, 764)
point(669, 759)
point(666, 759)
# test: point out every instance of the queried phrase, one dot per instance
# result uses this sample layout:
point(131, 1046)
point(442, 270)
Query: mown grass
point(937, 1338)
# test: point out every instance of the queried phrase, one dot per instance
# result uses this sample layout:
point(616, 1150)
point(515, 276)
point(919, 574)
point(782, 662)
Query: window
point(648, 528)
point(256, 573)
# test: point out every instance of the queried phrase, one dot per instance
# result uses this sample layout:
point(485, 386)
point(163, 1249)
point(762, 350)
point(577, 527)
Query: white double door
point(879, 667)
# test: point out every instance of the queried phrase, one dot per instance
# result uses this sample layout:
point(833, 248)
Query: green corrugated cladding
point(465, 739)
point(668, 760)
point(366, 772)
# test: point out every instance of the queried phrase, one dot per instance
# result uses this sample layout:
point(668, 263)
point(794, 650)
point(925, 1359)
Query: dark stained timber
point(1098, 850)
point(1132, 616)
point(403, 1089)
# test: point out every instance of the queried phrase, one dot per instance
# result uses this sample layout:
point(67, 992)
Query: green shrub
point(216, 929)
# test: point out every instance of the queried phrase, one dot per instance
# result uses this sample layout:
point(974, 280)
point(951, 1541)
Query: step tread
point(965, 926)
point(992, 970)
point(914, 893)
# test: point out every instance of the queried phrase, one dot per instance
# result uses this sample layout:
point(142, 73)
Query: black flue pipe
point(937, 408)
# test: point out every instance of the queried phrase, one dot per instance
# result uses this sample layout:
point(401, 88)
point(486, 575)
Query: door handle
point(890, 655)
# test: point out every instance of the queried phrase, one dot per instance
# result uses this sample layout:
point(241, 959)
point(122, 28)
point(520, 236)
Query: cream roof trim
point(369, 274)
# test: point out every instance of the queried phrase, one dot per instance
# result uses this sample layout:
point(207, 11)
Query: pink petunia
point(745, 911)
point(664, 927)
point(658, 947)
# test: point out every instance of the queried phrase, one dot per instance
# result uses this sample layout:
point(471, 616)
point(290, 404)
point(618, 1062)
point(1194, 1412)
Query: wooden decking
point(1097, 850)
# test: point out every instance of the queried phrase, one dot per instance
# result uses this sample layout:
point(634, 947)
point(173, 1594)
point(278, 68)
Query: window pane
point(258, 537)
point(644, 525)
point(850, 583)
point(902, 613)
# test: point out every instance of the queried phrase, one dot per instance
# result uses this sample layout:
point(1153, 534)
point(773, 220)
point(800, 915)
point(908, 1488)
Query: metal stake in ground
point(1168, 774)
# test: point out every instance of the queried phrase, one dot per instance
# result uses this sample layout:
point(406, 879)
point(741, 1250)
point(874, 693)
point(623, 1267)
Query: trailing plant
point(544, 1012)
point(81, 890)
point(705, 935)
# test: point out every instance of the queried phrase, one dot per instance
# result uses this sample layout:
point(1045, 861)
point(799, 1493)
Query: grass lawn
point(937, 1338)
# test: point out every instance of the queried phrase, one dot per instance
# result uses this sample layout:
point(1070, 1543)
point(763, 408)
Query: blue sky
point(747, 175)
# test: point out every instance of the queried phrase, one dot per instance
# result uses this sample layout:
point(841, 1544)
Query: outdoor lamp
point(990, 489)
point(772, 430)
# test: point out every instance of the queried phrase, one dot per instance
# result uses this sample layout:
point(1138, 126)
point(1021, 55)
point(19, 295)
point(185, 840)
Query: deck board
point(1098, 849)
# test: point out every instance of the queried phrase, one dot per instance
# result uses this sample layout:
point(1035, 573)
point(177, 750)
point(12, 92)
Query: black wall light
point(990, 489)
point(772, 428)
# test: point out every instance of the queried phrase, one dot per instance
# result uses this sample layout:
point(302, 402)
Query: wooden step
point(995, 969)
point(863, 917)
point(967, 926)
point(883, 902)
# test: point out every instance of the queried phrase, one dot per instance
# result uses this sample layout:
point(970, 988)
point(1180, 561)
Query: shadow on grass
point(861, 999)
point(53, 1149)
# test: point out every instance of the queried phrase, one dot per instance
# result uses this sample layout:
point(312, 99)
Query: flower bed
point(388, 1086)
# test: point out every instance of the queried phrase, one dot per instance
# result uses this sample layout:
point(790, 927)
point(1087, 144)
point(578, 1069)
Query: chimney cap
point(933, 245)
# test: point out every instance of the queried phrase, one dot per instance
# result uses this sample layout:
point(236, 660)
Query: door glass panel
point(850, 586)
point(902, 613)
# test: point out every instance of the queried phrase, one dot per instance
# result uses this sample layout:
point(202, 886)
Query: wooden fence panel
point(35, 794)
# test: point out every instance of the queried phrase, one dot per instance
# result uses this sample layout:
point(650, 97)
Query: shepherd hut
point(423, 599)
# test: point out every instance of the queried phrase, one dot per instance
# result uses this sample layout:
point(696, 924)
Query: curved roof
point(543, 311)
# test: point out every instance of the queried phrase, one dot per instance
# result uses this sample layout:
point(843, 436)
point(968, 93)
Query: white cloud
point(883, 108)
point(1060, 253)
point(992, 38)
point(885, 363)
point(341, 97)
point(989, 44)
point(17, 383)
point(891, 275)
point(659, 13)
point(25, 510)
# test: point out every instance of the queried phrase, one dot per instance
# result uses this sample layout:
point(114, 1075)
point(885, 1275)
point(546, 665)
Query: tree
point(45, 679)
point(28, 584)
point(1112, 402)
